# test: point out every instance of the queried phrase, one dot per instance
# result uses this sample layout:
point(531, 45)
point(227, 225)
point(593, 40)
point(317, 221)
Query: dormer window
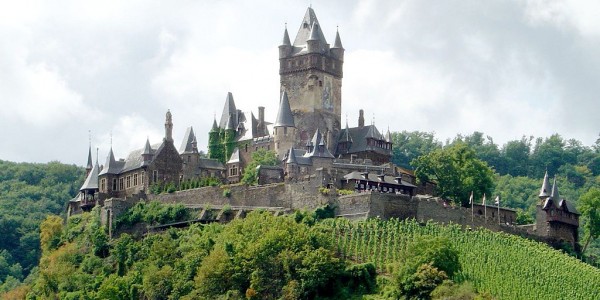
point(305, 25)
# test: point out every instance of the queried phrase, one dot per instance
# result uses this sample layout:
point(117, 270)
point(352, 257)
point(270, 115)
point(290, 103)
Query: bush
point(227, 193)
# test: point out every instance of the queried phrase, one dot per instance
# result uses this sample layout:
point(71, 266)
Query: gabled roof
point(187, 145)
point(545, 190)
point(135, 159)
point(284, 114)
point(320, 148)
point(91, 181)
point(306, 27)
point(228, 110)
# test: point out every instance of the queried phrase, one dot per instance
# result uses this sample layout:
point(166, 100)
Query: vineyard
point(507, 266)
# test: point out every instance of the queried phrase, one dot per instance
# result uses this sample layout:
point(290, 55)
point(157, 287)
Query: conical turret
point(555, 195)
point(89, 166)
point(229, 109)
point(314, 42)
point(284, 114)
point(338, 50)
point(147, 154)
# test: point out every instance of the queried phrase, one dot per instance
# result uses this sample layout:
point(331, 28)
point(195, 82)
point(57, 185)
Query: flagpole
point(484, 209)
point(471, 202)
point(498, 203)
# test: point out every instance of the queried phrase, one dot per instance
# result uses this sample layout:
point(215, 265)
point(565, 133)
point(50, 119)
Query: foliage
point(523, 218)
point(201, 182)
point(153, 213)
point(457, 172)
point(494, 261)
point(410, 145)
point(28, 194)
point(589, 206)
point(226, 193)
point(342, 192)
point(261, 157)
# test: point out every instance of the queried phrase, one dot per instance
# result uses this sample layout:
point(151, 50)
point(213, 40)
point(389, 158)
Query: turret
point(314, 43)
point(545, 189)
point(284, 134)
point(215, 146)
point(168, 127)
point(291, 164)
point(285, 49)
point(89, 166)
point(338, 50)
point(147, 154)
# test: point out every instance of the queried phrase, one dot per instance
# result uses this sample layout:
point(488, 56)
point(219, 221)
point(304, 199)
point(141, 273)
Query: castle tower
point(284, 134)
point(147, 154)
point(311, 74)
point(169, 127)
point(215, 147)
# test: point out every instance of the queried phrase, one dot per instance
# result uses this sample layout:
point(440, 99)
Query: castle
point(314, 151)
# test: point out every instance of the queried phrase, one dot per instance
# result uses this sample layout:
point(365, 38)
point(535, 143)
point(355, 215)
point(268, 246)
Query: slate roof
point(135, 160)
point(545, 190)
point(112, 166)
point(376, 178)
point(286, 38)
point(207, 163)
point(291, 157)
point(89, 161)
point(338, 41)
point(359, 136)
point(318, 146)
point(187, 145)
point(284, 114)
point(228, 110)
point(304, 32)
point(91, 181)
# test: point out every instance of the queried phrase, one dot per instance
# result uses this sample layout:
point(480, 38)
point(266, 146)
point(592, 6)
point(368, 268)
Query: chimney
point(261, 115)
point(361, 118)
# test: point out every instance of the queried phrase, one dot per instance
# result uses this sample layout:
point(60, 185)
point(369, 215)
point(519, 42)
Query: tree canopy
point(457, 172)
point(261, 157)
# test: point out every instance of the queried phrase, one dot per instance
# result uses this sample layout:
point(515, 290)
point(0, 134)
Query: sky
point(109, 70)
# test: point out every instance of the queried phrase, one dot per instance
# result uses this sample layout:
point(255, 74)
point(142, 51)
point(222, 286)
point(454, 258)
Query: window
point(114, 185)
point(135, 179)
point(143, 175)
point(320, 83)
point(233, 171)
point(189, 158)
point(128, 181)
point(155, 176)
point(103, 184)
point(246, 146)
point(120, 184)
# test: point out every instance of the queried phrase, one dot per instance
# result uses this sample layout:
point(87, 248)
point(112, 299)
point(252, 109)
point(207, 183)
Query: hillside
point(28, 193)
point(297, 256)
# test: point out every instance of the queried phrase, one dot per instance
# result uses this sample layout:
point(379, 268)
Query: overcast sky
point(506, 68)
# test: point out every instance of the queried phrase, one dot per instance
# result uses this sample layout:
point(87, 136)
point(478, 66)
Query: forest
point(30, 192)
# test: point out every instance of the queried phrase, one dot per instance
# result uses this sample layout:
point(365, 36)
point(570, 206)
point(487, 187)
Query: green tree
point(410, 145)
point(261, 157)
point(589, 205)
point(516, 156)
point(457, 172)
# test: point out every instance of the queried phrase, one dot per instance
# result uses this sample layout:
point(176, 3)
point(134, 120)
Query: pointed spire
point(188, 139)
point(89, 160)
point(215, 127)
point(338, 41)
point(346, 135)
point(284, 114)
point(314, 33)
point(555, 196)
point(286, 37)
point(306, 27)
point(147, 148)
point(110, 167)
point(316, 138)
point(545, 190)
point(91, 180)
point(228, 110)
point(291, 159)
